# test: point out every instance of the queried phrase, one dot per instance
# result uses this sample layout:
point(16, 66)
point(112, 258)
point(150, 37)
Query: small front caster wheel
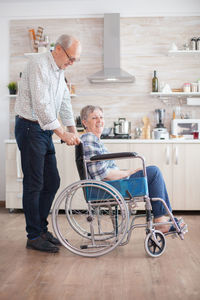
point(155, 243)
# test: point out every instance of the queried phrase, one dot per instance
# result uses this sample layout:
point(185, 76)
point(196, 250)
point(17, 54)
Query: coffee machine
point(160, 132)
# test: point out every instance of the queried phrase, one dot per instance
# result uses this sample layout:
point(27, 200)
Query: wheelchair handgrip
point(113, 156)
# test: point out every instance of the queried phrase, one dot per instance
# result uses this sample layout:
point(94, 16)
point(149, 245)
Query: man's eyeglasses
point(71, 59)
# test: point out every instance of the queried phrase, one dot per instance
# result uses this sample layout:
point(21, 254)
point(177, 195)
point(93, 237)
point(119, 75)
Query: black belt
point(28, 120)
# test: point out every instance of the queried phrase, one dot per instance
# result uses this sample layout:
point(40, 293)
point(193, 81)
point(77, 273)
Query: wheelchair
point(101, 215)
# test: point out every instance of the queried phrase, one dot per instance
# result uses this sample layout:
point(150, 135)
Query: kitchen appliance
point(111, 73)
point(106, 132)
point(185, 127)
point(122, 127)
point(160, 132)
point(79, 126)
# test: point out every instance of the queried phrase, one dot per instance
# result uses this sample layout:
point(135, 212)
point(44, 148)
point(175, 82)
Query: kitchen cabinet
point(186, 179)
point(13, 178)
point(123, 164)
point(179, 163)
point(157, 155)
point(65, 162)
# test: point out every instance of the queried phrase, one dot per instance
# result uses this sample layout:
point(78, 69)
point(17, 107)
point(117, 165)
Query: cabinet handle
point(18, 164)
point(167, 155)
point(176, 155)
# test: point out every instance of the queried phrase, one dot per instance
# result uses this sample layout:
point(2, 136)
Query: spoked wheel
point(155, 243)
point(95, 218)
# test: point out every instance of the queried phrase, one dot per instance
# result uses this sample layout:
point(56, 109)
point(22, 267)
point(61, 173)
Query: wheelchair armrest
point(110, 156)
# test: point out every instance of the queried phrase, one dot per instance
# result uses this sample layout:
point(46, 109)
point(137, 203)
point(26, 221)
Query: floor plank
point(125, 273)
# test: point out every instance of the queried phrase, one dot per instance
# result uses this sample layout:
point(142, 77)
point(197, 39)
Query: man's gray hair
point(87, 110)
point(65, 41)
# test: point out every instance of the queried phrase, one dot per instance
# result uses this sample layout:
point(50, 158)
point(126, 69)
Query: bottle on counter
point(154, 83)
point(193, 43)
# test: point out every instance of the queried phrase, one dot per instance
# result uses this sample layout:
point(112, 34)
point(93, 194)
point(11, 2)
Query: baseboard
point(2, 204)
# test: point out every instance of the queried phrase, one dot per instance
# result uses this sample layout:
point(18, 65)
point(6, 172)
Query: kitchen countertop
point(132, 141)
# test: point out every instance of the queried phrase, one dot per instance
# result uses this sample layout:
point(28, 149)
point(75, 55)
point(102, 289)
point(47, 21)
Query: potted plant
point(12, 86)
point(52, 46)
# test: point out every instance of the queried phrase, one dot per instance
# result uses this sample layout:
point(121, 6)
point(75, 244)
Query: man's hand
point(70, 138)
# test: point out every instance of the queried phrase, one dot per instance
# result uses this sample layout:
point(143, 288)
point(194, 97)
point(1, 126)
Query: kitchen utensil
point(146, 128)
point(106, 131)
point(122, 126)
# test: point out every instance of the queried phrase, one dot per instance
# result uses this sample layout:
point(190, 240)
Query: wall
point(145, 42)
point(76, 9)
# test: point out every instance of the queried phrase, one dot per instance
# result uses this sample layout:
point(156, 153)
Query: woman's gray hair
point(87, 110)
point(65, 41)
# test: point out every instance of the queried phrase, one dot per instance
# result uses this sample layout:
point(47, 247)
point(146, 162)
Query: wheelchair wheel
point(95, 218)
point(155, 243)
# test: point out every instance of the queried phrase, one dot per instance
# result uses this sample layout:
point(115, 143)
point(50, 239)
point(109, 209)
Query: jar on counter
point(198, 43)
point(193, 43)
point(194, 87)
point(198, 85)
point(186, 87)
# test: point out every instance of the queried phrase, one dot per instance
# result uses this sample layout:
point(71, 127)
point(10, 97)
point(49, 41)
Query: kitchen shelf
point(14, 96)
point(31, 53)
point(175, 94)
point(183, 52)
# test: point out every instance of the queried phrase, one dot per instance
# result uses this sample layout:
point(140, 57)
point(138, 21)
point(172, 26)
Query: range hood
point(111, 73)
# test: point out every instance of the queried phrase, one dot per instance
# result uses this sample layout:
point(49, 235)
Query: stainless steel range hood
point(111, 73)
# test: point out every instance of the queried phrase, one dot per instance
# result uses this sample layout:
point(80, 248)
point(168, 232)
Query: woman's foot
point(168, 227)
point(162, 228)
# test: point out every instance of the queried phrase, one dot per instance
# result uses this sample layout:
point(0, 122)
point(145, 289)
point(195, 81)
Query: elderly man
point(43, 95)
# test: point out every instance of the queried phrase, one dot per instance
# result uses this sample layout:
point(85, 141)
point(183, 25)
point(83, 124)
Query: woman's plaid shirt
point(94, 146)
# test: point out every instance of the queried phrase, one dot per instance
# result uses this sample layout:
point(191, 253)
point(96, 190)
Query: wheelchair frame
point(91, 240)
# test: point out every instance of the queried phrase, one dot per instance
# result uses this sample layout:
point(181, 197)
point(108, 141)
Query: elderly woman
point(93, 122)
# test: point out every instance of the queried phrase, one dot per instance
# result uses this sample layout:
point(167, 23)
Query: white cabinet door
point(13, 178)
point(119, 147)
point(158, 155)
point(65, 156)
point(186, 176)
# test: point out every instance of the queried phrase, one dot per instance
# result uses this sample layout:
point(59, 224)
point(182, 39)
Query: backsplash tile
point(145, 42)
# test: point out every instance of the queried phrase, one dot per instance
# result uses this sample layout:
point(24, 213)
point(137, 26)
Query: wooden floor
point(125, 273)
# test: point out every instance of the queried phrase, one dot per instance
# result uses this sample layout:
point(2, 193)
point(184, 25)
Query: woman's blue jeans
point(157, 189)
point(41, 179)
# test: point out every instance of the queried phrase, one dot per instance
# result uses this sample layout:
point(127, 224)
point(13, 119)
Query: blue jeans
point(41, 179)
point(157, 189)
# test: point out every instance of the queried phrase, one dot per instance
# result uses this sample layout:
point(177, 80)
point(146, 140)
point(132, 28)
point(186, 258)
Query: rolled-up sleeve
point(66, 112)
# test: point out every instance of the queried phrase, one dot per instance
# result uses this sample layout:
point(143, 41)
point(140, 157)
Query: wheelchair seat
point(134, 187)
